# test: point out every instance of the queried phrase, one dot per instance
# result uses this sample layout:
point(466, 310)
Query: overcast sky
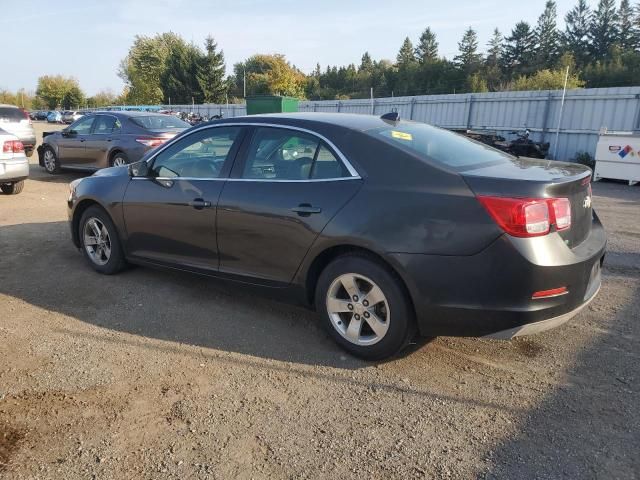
point(88, 39)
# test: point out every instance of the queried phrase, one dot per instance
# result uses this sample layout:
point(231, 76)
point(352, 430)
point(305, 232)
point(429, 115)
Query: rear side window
point(8, 114)
point(106, 124)
point(159, 122)
point(439, 145)
point(283, 154)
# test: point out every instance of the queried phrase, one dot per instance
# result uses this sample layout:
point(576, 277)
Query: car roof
point(4, 105)
point(125, 113)
point(352, 121)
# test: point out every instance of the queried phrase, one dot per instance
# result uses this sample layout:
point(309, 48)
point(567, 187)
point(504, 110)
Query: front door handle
point(305, 209)
point(199, 203)
point(83, 140)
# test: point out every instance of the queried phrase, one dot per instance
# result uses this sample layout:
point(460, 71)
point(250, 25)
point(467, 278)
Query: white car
point(14, 165)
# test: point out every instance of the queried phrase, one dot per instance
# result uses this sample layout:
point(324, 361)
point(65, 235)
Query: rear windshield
point(159, 122)
point(8, 114)
point(439, 145)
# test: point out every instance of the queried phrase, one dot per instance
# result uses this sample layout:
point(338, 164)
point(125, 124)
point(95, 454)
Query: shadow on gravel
point(38, 174)
point(42, 267)
point(589, 427)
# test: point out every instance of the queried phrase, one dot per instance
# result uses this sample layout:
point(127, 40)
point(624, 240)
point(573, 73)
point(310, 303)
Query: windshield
point(439, 145)
point(159, 122)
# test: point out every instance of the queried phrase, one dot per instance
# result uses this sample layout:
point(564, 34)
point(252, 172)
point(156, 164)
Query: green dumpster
point(271, 104)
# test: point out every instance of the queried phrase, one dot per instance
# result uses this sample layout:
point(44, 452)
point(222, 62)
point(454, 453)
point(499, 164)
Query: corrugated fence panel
point(585, 113)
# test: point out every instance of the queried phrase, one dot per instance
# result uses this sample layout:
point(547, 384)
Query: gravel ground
point(153, 374)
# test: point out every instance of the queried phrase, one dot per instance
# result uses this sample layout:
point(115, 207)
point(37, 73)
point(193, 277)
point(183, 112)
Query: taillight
point(151, 141)
point(562, 212)
point(26, 115)
point(528, 217)
point(13, 146)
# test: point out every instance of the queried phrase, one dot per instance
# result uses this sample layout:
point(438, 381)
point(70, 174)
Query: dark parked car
point(106, 139)
point(384, 226)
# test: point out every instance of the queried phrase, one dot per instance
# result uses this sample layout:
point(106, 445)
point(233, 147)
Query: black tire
point(401, 326)
point(118, 155)
point(12, 188)
point(56, 162)
point(116, 261)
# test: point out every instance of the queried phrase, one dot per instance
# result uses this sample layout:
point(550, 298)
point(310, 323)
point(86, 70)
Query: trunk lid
point(532, 178)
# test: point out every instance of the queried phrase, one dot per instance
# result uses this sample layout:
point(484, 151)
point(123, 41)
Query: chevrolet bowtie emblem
point(587, 202)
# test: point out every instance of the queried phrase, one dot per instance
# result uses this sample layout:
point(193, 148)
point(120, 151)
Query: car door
point(99, 141)
point(286, 186)
point(170, 215)
point(71, 146)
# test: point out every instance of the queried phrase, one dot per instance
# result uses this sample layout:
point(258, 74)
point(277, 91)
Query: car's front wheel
point(13, 188)
point(99, 241)
point(365, 307)
point(50, 161)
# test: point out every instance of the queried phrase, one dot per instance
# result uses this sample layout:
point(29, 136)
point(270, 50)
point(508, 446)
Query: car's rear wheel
point(99, 241)
point(119, 160)
point(12, 188)
point(50, 161)
point(364, 307)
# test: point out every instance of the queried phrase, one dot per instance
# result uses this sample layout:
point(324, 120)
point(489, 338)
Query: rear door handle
point(305, 209)
point(199, 203)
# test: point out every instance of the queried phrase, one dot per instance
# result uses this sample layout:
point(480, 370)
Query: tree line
point(601, 47)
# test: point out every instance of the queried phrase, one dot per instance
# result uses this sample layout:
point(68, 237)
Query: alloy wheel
point(358, 309)
point(49, 161)
point(119, 161)
point(97, 241)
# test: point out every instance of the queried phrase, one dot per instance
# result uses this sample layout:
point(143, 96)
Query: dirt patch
point(10, 439)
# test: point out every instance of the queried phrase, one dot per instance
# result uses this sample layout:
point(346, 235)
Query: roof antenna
point(392, 116)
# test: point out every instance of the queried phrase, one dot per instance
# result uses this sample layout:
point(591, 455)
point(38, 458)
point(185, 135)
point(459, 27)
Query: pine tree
point(211, 73)
point(575, 38)
point(427, 49)
point(627, 30)
point(603, 29)
point(495, 51)
point(495, 48)
point(547, 37)
point(406, 55)
point(519, 50)
point(468, 59)
point(366, 63)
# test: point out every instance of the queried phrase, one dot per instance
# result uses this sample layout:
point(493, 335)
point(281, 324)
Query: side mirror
point(139, 169)
point(69, 133)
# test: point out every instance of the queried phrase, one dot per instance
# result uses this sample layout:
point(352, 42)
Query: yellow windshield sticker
point(401, 135)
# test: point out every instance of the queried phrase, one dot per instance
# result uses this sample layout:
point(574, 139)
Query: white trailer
point(618, 156)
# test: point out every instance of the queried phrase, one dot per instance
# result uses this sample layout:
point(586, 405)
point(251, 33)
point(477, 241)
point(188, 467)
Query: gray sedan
point(106, 139)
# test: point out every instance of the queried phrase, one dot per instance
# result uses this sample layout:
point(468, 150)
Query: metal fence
point(585, 113)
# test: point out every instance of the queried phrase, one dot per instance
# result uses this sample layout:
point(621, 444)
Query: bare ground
point(153, 374)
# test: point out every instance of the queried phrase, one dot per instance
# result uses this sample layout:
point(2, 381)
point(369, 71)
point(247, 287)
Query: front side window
point(82, 126)
point(199, 155)
point(282, 154)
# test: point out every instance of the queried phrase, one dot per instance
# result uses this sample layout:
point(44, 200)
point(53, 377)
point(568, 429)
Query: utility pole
point(564, 91)
point(371, 100)
point(244, 82)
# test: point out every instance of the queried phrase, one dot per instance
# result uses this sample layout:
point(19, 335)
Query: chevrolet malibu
point(388, 228)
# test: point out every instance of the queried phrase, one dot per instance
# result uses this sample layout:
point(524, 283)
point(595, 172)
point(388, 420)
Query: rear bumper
point(14, 170)
point(542, 325)
point(491, 292)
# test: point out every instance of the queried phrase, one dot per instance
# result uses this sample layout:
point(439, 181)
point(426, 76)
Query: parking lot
point(157, 374)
